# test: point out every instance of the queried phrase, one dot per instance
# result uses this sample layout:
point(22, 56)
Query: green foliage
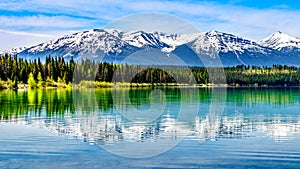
point(61, 83)
point(40, 83)
point(50, 82)
point(31, 82)
point(263, 76)
point(69, 86)
point(59, 80)
point(2, 85)
point(10, 84)
point(103, 84)
point(56, 72)
point(18, 69)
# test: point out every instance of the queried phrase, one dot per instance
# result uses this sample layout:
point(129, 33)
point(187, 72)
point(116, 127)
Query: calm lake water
point(150, 128)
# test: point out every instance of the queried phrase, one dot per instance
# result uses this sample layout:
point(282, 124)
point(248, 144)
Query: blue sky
point(29, 22)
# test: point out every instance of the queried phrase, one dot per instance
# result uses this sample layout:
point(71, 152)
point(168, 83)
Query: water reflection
point(93, 116)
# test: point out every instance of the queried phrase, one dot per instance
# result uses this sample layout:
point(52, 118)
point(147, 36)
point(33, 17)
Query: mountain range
point(116, 45)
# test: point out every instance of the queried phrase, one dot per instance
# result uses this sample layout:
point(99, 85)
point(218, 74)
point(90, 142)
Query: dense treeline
point(277, 75)
point(16, 70)
point(57, 72)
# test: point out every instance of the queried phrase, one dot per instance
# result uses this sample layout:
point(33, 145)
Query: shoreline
point(124, 85)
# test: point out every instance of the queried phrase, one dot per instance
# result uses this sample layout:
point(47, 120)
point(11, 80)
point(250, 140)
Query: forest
point(18, 72)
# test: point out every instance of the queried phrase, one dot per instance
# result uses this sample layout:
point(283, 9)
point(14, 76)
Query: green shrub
point(69, 85)
point(40, 83)
point(10, 84)
point(61, 83)
point(103, 84)
point(50, 82)
point(31, 82)
point(2, 84)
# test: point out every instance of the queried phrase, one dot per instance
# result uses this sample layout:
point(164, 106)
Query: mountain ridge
point(118, 44)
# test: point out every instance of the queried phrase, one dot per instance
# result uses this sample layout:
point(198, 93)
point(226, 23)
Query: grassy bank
point(85, 84)
point(96, 84)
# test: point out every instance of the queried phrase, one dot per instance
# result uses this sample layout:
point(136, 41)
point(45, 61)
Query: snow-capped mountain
point(14, 50)
point(115, 45)
point(94, 43)
point(287, 46)
point(232, 50)
point(279, 41)
point(223, 42)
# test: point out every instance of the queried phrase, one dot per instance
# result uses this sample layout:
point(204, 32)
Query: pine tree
point(40, 81)
point(31, 82)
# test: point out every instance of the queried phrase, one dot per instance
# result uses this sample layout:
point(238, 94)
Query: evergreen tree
point(31, 82)
point(41, 82)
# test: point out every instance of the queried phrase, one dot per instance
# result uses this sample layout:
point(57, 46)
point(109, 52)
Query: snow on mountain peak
point(14, 51)
point(224, 42)
point(90, 41)
point(143, 39)
point(279, 40)
point(110, 43)
point(214, 33)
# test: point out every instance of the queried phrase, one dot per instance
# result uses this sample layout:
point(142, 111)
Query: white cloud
point(9, 39)
point(229, 18)
point(41, 21)
point(26, 33)
point(151, 22)
point(57, 15)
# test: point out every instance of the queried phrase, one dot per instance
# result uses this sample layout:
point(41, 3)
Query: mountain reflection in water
point(94, 117)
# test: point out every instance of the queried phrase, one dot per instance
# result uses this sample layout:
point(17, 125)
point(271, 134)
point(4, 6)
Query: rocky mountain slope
point(115, 45)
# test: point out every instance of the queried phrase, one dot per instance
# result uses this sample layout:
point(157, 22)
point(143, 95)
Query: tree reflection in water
point(93, 117)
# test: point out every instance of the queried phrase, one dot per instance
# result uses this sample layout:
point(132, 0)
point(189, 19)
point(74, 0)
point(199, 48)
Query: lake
point(150, 128)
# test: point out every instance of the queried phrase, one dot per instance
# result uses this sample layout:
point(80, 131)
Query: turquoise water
point(150, 128)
